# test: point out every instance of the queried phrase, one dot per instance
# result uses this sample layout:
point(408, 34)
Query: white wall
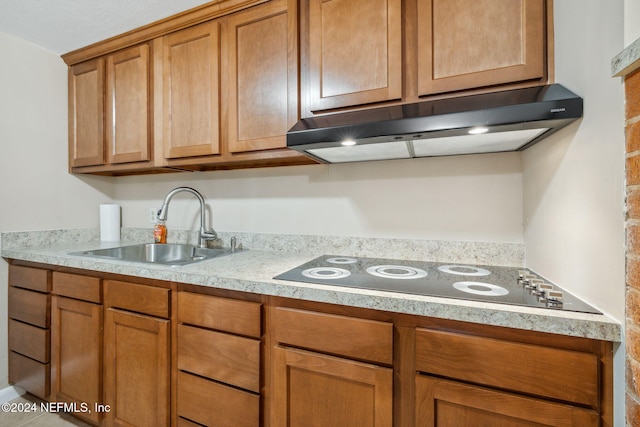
point(574, 181)
point(631, 21)
point(36, 192)
point(472, 198)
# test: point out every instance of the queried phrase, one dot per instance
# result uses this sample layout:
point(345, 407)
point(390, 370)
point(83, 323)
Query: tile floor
point(38, 418)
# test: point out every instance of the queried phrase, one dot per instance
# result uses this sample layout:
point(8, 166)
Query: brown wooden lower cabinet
point(218, 361)
point(137, 369)
point(164, 354)
point(311, 389)
point(29, 310)
point(77, 356)
point(445, 403)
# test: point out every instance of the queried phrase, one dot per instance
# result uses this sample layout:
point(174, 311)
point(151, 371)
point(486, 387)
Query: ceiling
point(65, 25)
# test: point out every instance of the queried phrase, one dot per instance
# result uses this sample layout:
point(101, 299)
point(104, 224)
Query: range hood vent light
point(487, 123)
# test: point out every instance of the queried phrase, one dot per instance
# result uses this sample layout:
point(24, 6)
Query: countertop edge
point(626, 61)
point(223, 273)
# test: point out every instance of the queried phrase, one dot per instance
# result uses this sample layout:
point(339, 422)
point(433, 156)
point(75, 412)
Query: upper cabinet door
point(354, 52)
point(464, 44)
point(86, 113)
point(128, 106)
point(191, 80)
point(261, 68)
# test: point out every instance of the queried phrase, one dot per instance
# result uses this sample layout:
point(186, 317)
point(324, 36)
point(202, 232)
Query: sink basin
point(169, 253)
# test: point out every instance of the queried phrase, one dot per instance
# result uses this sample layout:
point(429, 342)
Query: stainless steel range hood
point(494, 122)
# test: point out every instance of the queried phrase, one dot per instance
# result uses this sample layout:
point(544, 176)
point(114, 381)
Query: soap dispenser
point(160, 232)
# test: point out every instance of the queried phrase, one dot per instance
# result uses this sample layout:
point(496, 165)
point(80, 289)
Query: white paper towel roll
point(109, 223)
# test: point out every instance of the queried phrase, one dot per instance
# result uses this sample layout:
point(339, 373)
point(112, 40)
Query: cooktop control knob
point(539, 288)
point(521, 274)
point(552, 298)
point(527, 278)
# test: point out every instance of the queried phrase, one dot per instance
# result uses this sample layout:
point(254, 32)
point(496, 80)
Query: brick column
point(632, 130)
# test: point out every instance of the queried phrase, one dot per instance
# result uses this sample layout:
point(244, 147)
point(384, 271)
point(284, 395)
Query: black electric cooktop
point(503, 285)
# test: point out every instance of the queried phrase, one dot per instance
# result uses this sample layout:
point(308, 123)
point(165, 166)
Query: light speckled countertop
point(253, 271)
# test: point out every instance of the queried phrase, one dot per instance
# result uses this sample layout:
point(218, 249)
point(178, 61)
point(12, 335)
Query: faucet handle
point(209, 235)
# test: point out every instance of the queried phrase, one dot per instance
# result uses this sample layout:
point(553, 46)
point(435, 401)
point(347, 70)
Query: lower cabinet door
point(137, 375)
point(445, 403)
point(76, 356)
point(315, 390)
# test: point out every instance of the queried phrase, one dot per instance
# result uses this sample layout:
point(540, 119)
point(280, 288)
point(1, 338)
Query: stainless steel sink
point(169, 253)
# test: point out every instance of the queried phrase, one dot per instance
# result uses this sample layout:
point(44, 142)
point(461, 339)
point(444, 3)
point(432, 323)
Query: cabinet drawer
point(446, 402)
point(29, 341)
point(29, 278)
point(213, 404)
point(76, 286)
point(346, 336)
point(222, 357)
point(30, 307)
point(224, 314)
point(550, 372)
point(30, 375)
point(139, 298)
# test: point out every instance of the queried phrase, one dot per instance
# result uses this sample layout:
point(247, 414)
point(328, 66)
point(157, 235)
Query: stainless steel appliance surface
point(508, 120)
point(503, 285)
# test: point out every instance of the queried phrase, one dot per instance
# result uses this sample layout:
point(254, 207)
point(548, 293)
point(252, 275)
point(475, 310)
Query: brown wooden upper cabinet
point(116, 128)
point(215, 87)
point(357, 53)
point(465, 44)
point(190, 91)
point(261, 83)
point(86, 113)
point(354, 52)
point(129, 109)
point(218, 87)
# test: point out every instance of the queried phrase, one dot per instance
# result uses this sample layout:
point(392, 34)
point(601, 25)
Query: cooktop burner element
point(330, 273)
point(342, 260)
point(464, 270)
point(503, 285)
point(478, 288)
point(396, 272)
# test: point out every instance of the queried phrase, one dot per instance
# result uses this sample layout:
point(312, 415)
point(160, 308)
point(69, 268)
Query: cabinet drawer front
point(559, 374)
point(76, 286)
point(139, 298)
point(227, 358)
point(346, 336)
point(32, 376)
point(29, 307)
point(442, 402)
point(29, 278)
point(29, 341)
point(210, 403)
point(224, 314)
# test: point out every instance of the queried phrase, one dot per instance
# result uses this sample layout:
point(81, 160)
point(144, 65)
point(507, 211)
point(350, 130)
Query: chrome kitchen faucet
point(204, 234)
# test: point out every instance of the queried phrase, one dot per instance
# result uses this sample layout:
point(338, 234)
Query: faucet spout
point(204, 234)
